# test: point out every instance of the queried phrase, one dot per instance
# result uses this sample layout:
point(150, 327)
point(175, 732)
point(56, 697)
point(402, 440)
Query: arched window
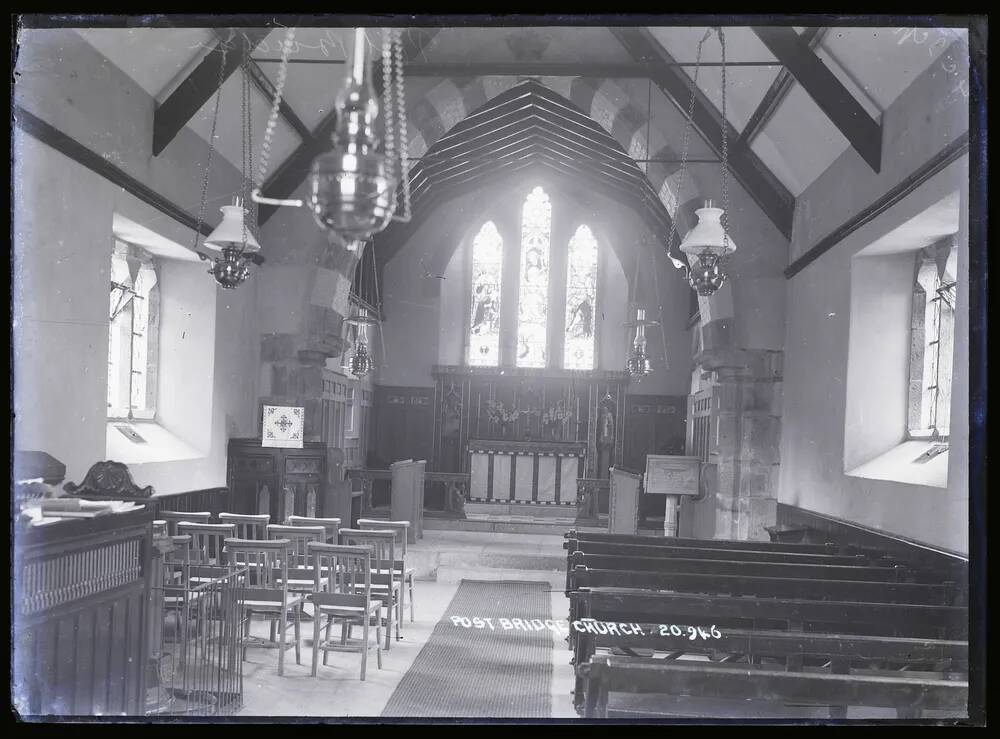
point(581, 300)
point(487, 274)
point(533, 297)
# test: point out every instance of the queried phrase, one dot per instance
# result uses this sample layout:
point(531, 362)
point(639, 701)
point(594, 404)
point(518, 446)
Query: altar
point(541, 472)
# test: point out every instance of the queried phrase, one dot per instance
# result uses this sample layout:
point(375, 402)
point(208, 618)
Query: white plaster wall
point(813, 423)
point(62, 240)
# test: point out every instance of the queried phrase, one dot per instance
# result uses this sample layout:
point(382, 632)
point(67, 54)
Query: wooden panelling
point(654, 425)
point(404, 424)
point(81, 590)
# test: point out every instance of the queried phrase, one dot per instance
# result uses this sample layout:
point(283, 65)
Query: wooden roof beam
point(766, 190)
point(174, 113)
point(862, 131)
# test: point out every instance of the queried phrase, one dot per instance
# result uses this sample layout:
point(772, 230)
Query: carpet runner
point(469, 672)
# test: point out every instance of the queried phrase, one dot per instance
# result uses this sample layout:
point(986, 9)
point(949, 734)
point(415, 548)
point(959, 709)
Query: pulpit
point(285, 482)
point(542, 472)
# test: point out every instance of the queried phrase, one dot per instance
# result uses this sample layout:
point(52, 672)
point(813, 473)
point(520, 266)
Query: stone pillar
point(313, 299)
point(744, 476)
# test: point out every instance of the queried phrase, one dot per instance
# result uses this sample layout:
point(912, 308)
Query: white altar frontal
point(542, 472)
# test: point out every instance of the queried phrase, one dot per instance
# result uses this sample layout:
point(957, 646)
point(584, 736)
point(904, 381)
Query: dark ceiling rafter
point(769, 193)
point(528, 125)
point(863, 132)
point(777, 91)
point(287, 177)
point(174, 113)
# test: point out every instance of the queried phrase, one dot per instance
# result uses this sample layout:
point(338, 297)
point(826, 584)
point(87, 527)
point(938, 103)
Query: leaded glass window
point(581, 300)
point(533, 298)
point(133, 329)
point(487, 271)
point(932, 344)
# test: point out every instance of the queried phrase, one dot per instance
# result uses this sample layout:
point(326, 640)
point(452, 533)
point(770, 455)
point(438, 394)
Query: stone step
point(521, 509)
point(502, 525)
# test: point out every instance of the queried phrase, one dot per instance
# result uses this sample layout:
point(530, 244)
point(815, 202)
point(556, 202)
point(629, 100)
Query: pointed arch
point(581, 300)
point(487, 281)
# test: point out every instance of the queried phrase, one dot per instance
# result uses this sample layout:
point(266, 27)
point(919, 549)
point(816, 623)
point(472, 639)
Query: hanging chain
point(388, 111)
point(211, 146)
point(404, 143)
point(265, 149)
point(725, 151)
point(244, 134)
point(682, 175)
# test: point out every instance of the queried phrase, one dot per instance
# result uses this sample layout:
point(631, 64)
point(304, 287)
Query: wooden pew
point(764, 546)
point(881, 621)
point(775, 587)
point(737, 566)
point(736, 645)
point(908, 695)
point(710, 552)
point(857, 617)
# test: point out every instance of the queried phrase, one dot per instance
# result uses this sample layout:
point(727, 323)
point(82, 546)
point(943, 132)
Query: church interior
point(542, 371)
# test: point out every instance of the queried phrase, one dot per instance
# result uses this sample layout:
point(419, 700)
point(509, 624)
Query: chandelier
point(233, 242)
point(353, 186)
point(708, 244)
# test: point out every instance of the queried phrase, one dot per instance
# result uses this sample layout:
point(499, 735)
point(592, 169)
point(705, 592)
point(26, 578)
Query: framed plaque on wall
point(282, 426)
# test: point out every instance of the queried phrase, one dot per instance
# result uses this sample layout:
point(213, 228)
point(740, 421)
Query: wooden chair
point(159, 527)
point(385, 582)
point(247, 526)
point(401, 528)
point(266, 591)
point(343, 592)
point(299, 537)
point(332, 525)
point(174, 517)
point(207, 540)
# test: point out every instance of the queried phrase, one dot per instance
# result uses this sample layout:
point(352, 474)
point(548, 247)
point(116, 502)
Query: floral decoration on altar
point(497, 412)
point(556, 415)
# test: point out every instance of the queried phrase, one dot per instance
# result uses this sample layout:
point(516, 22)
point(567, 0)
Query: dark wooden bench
point(908, 695)
point(763, 546)
point(794, 649)
point(710, 552)
point(871, 624)
point(857, 617)
point(774, 587)
point(737, 567)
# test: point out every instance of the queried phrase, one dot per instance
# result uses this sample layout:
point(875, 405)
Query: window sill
point(160, 445)
point(899, 465)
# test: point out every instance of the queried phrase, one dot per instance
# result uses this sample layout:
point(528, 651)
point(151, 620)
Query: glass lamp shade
point(352, 193)
point(708, 235)
point(230, 233)
point(353, 187)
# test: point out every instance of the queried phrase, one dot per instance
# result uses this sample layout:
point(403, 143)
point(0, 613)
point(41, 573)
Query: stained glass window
point(487, 269)
point(581, 300)
point(533, 298)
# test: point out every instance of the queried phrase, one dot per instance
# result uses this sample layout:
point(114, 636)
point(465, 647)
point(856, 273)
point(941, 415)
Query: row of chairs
point(347, 575)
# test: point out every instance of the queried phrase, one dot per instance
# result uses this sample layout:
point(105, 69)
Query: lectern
point(674, 477)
